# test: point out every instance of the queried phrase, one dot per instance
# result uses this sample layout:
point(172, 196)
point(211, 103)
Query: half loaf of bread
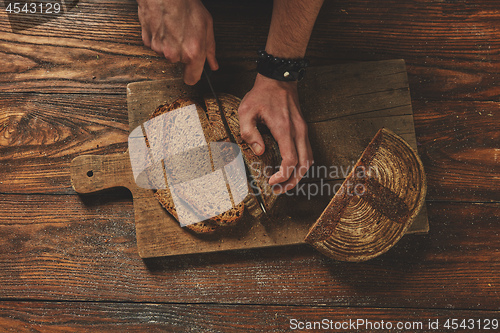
point(375, 205)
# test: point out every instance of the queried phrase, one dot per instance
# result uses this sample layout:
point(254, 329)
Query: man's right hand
point(180, 30)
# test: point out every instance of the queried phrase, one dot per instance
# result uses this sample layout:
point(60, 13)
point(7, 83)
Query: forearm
point(291, 27)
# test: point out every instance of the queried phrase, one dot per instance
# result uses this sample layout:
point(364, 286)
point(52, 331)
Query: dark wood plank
point(151, 317)
point(40, 135)
point(459, 146)
point(95, 47)
point(62, 249)
point(451, 48)
point(35, 209)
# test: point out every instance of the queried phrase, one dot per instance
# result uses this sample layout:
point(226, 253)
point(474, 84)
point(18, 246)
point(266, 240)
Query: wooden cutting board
point(344, 105)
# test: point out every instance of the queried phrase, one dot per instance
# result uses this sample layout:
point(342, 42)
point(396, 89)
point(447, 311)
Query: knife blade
point(250, 177)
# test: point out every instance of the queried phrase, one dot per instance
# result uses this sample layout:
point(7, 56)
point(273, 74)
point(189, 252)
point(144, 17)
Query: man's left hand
point(276, 104)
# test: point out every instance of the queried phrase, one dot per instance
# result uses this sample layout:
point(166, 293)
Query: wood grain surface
point(52, 254)
point(462, 141)
point(70, 264)
point(130, 317)
point(40, 135)
point(451, 48)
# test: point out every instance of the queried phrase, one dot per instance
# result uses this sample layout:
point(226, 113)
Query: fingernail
point(256, 148)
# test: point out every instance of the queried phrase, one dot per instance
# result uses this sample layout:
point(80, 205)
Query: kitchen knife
point(250, 177)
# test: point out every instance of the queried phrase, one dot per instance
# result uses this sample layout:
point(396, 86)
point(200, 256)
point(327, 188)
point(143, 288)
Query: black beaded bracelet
point(281, 69)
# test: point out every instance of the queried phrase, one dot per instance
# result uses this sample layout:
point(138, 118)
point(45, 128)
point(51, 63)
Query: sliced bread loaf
point(261, 167)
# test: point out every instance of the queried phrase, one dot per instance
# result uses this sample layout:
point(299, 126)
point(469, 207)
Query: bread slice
point(203, 227)
point(179, 169)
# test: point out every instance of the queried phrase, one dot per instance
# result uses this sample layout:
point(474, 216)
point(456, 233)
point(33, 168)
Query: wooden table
point(69, 263)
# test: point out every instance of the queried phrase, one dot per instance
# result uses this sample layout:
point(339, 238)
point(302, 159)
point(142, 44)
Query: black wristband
point(281, 69)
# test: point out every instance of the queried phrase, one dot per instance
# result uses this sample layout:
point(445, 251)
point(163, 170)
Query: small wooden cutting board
point(344, 105)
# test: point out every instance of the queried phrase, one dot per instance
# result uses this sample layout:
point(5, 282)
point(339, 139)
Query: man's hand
point(276, 104)
point(180, 30)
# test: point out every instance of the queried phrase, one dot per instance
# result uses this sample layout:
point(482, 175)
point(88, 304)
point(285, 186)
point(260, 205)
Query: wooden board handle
point(92, 173)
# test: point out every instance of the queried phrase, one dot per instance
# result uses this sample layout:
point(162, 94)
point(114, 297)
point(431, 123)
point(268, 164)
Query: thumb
point(251, 135)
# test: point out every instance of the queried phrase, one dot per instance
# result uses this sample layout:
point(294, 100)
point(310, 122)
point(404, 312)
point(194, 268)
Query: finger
point(305, 162)
point(288, 152)
point(170, 53)
point(193, 70)
point(250, 134)
point(304, 150)
point(212, 61)
point(146, 38)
